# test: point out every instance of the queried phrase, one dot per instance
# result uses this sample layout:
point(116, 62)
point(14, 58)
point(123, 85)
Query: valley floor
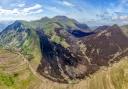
point(17, 73)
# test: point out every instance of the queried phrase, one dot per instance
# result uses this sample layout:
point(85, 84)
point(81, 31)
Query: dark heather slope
point(59, 63)
point(106, 45)
point(84, 56)
point(100, 48)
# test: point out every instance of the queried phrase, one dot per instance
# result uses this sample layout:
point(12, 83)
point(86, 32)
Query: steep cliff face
point(14, 35)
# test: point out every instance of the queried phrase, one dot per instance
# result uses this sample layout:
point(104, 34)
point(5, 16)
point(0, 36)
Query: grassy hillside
point(14, 72)
point(115, 77)
point(31, 48)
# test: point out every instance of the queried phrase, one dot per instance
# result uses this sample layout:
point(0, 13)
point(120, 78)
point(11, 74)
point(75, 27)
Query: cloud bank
point(21, 11)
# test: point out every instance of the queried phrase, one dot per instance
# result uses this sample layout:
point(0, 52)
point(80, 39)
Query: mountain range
point(63, 49)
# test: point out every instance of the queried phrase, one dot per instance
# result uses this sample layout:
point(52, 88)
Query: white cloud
point(9, 2)
point(122, 17)
point(21, 5)
point(55, 9)
point(115, 12)
point(35, 7)
point(35, 12)
point(67, 3)
point(124, 1)
point(20, 12)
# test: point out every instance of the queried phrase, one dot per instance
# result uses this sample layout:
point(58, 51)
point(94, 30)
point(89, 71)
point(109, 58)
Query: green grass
point(7, 79)
point(31, 48)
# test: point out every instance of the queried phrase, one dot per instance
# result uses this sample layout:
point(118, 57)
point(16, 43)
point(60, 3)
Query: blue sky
point(87, 11)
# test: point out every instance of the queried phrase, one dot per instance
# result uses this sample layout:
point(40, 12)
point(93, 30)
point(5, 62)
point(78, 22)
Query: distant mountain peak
point(45, 18)
point(20, 22)
point(115, 26)
point(60, 17)
point(101, 28)
point(17, 22)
